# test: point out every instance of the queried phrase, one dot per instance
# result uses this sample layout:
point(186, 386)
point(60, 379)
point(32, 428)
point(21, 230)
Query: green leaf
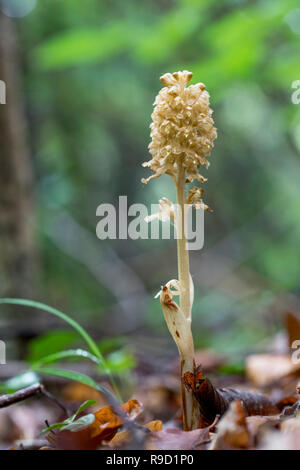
point(81, 423)
point(84, 405)
point(68, 421)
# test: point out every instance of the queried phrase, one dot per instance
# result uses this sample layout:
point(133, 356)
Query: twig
point(55, 400)
point(21, 395)
point(28, 392)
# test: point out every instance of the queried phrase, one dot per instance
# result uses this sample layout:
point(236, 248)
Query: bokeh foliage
point(91, 72)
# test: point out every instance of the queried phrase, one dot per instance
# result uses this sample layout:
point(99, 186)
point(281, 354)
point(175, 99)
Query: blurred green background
point(89, 75)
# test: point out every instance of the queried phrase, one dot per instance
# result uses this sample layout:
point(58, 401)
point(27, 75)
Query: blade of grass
point(78, 377)
point(93, 346)
point(65, 354)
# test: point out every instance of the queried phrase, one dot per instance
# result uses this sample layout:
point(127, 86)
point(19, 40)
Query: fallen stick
point(21, 395)
point(28, 392)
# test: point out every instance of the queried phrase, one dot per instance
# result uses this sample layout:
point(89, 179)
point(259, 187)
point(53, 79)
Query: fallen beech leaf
point(174, 439)
point(107, 423)
point(133, 408)
point(232, 429)
point(255, 423)
point(120, 439)
point(291, 425)
point(155, 426)
point(292, 325)
point(286, 402)
point(67, 440)
point(123, 437)
point(293, 410)
point(265, 369)
point(276, 440)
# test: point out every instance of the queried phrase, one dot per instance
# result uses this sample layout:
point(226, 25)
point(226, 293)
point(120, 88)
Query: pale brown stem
point(182, 252)
point(189, 404)
point(190, 407)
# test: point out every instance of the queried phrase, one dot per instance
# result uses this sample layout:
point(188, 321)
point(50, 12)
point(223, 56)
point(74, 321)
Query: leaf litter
point(262, 411)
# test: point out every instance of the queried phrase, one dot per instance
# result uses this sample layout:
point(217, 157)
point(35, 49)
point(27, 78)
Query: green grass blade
point(77, 377)
point(93, 346)
point(81, 353)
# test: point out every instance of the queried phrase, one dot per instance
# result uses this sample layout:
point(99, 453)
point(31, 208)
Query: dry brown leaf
point(107, 423)
point(286, 402)
point(278, 440)
point(174, 439)
point(120, 439)
point(80, 440)
point(255, 423)
point(265, 369)
point(292, 325)
point(232, 429)
point(123, 437)
point(132, 408)
point(291, 425)
point(155, 426)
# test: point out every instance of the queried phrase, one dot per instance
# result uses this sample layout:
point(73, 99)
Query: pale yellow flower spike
point(182, 128)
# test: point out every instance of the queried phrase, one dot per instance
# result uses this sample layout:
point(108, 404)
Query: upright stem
point(182, 252)
point(189, 403)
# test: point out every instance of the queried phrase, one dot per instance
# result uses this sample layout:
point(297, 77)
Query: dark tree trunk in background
point(18, 261)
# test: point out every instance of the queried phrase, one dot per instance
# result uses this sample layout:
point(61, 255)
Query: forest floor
point(257, 407)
